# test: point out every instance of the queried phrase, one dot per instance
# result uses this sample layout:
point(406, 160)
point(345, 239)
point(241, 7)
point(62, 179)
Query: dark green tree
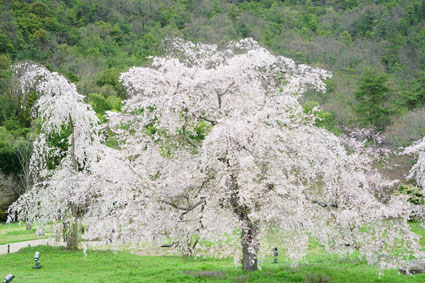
point(414, 97)
point(372, 95)
point(419, 91)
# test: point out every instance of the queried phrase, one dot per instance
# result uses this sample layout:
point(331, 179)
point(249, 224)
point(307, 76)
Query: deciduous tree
point(215, 153)
point(63, 153)
point(216, 143)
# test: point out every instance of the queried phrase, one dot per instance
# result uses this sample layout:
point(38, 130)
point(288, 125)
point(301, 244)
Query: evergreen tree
point(420, 90)
point(414, 97)
point(372, 96)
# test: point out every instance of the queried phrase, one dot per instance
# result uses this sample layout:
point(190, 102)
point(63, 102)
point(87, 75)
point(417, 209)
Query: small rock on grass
point(414, 267)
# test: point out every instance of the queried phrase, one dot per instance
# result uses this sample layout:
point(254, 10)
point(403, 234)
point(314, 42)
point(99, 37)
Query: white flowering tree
point(214, 143)
point(64, 152)
point(216, 154)
point(418, 170)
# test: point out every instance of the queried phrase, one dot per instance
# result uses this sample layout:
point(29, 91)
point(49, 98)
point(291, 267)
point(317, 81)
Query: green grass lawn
point(415, 227)
point(59, 265)
point(13, 233)
point(108, 266)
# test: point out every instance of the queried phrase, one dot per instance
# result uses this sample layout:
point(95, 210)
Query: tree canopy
point(372, 96)
point(92, 42)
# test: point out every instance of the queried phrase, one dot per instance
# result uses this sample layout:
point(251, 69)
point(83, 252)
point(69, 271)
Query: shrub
point(415, 193)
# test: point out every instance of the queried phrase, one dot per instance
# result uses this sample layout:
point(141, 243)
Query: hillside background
point(375, 50)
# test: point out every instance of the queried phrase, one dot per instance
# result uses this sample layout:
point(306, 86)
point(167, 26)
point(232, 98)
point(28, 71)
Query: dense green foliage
point(372, 96)
point(91, 42)
point(415, 194)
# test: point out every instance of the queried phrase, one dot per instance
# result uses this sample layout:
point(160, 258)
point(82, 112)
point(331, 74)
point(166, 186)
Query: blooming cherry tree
point(216, 154)
point(418, 170)
point(218, 143)
point(64, 152)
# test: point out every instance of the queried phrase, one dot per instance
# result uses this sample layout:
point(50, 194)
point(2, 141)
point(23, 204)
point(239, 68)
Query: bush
point(415, 193)
point(99, 104)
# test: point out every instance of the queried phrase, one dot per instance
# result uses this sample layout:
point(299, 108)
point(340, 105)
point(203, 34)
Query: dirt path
point(14, 247)
point(96, 245)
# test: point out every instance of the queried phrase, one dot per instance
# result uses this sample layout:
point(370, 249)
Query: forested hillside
point(374, 49)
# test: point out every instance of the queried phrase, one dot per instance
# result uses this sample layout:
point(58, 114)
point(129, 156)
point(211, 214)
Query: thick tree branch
point(219, 95)
point(186, 137)
point(213, 122)
point(321, 203)
point(187, 209)
point(73, 159)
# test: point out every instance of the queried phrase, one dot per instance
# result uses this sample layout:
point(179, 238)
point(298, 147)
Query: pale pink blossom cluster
point(57, 104)
point(58, 108)
point(366, 140)
point(418, 170)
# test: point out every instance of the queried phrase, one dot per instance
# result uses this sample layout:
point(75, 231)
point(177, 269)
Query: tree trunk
point(249, 235)
point(250, 246)
point(73, 159)
point(28, 225)
point(72, 237)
